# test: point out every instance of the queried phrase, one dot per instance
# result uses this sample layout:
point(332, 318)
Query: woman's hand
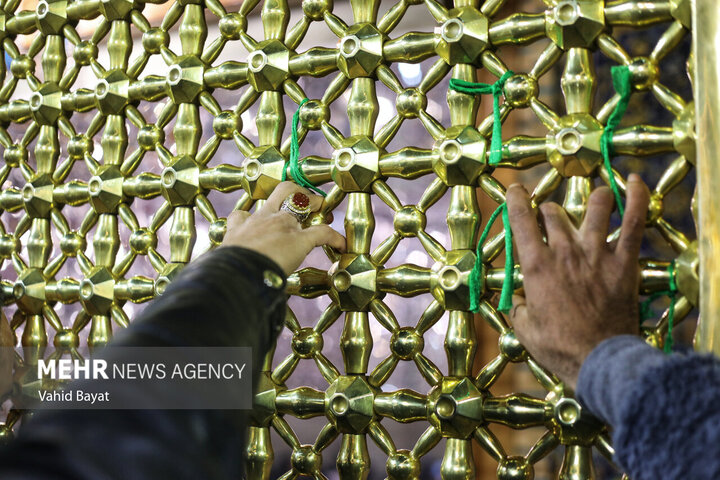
point(278, 234)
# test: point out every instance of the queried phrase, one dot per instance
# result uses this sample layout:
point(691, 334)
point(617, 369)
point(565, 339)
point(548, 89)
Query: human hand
point(277, 234)
point(7, 341)
point(579, 290)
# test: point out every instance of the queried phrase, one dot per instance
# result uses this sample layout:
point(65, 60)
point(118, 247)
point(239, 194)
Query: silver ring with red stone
point(297, 205)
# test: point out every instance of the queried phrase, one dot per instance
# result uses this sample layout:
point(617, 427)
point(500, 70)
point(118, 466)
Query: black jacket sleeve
point(228, 297)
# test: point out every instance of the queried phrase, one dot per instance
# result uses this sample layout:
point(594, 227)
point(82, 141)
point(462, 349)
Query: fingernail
point(634, 177)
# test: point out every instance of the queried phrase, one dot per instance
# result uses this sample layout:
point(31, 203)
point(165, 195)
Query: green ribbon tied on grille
point(623, 87)
point(671, 292)
point(621, 83)
point(296, 172)
point(508, 287)
point(494, 89)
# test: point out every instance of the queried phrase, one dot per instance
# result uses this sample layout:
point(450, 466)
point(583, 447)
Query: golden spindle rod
point(463, 217)
point(353, 461)
point(578, 81)
point(182, 234)
point(356, 343)
point(259, 453)
point(577, 464)
point(458, 462)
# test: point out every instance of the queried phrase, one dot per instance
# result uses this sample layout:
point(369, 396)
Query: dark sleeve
point(663, 409)
point(228, 297)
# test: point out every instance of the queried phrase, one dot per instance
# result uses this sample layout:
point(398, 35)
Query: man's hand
point(278, 234)
point(579, 290)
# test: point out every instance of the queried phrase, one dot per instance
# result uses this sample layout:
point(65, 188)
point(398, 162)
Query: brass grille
point(457, 405)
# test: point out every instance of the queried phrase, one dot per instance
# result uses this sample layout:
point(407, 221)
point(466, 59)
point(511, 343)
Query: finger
point(523, 221)
point(633, 223)
point(594, 228)
point(284, 190)
point(319, 235)
point(237, 218)
point(288, 220)
point(557, 225)
point(519, 317)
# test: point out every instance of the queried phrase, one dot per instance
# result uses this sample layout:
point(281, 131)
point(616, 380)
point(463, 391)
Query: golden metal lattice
point(457, 405)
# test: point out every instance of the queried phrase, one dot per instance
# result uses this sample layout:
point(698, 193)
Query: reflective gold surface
point(457, 403)
point(707, 71)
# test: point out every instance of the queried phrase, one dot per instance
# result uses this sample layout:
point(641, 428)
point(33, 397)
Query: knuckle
point(519, 212)
point(550, 209)
point(634, 223)
point(600, 196)
point(532, 264)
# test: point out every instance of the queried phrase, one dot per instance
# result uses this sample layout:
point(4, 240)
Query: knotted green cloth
point(508, 287)
point(296, 173)
point(621, 83)
point(494, 89)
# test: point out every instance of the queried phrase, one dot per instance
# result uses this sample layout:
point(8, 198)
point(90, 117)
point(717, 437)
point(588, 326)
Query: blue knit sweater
point(664, 410)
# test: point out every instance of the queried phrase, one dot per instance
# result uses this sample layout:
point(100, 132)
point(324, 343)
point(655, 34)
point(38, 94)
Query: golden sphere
point(410, 102)
point(217, 230)
point(71, 243)
point(520, 90)
point(511, 348)
point(8, 245)
point(643, 73)
point(15, 154)
point(307, 342)
point(305, 460)
point(149, 136)
point(154, 39)
point(22, 65)
point(409, 221)
point(85, 52)
point(515, 468)
point(315, 9)
point(655, 209)
point(402, 465)
point(231, 25)
point(78, 146)
point(313, 113)
point(66, 339)
point(142, 240)
point(227, 123)
point(406, 342)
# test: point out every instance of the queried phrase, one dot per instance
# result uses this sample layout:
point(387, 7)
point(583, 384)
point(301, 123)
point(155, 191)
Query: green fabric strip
point(621, 83)
point(494, 89)
point(508, 287)
point(296, 172)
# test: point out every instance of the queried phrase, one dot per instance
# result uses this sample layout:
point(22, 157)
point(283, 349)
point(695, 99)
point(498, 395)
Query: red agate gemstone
point(301, 200)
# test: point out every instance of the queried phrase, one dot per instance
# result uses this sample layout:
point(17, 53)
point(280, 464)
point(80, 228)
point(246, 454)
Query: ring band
point(297, 205)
